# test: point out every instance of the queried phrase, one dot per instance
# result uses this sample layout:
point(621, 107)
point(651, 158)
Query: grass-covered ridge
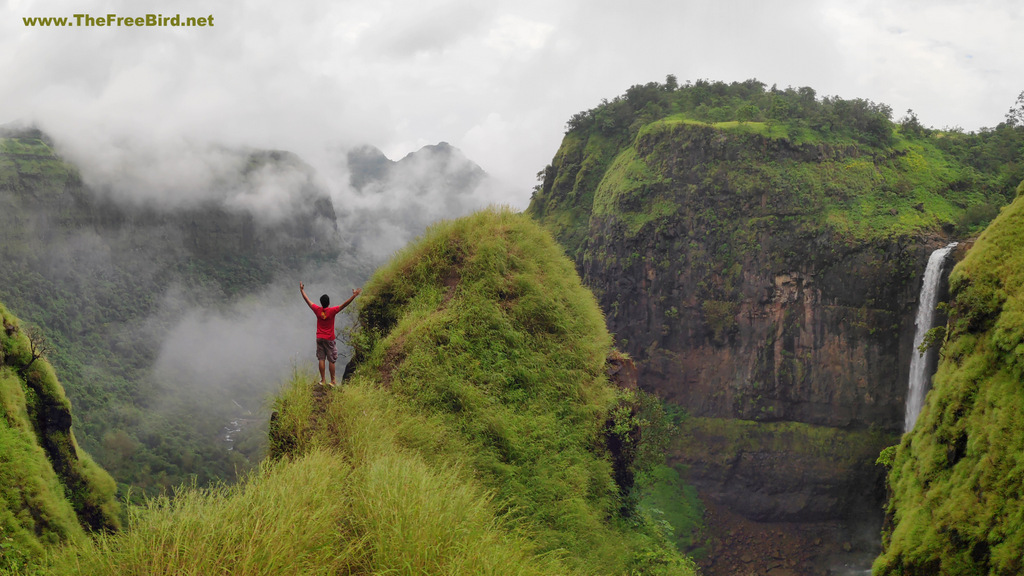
point(471, 437)
point(496, 354)
point(50, 491)
point(823, 165)
point(958, 477)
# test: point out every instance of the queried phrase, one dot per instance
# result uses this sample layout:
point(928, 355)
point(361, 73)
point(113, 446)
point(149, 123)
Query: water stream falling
point(917, 386)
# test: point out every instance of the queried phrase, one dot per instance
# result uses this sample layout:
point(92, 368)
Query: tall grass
point(315, 514)
point(283, 520)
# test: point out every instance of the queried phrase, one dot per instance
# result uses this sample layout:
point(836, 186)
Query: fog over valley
point(187, 287)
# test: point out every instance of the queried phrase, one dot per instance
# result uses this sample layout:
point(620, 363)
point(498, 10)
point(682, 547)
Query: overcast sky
point(496, 78)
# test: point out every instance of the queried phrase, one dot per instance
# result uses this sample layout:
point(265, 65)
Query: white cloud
point(515, 37)
point(497, 79)
point(953, 63)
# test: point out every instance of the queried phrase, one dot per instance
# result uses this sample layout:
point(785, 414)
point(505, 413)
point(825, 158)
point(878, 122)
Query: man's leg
point(322, 371)
point(332, 374)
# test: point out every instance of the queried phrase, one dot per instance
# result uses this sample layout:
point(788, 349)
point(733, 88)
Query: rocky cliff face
point(737, 309)
point(818, 340)
point(759, 287)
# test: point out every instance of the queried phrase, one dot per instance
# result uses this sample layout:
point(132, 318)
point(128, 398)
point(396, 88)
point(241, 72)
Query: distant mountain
point(368, 164)
point(439, 166)
point(166, 310)
point(395, 201)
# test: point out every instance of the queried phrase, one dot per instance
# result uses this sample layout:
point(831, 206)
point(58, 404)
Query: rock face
point(755, 289)
point(821, 341)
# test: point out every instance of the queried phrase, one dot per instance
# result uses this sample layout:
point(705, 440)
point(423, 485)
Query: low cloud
point(498, 80)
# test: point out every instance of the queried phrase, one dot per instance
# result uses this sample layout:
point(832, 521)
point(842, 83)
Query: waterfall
point(917, 386)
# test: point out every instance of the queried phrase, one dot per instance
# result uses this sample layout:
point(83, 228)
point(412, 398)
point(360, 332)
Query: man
point(326, 348)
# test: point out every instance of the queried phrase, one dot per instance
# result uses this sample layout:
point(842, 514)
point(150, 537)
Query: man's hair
point(325, 301)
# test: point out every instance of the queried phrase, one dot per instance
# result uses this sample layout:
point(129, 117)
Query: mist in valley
point(175, 281)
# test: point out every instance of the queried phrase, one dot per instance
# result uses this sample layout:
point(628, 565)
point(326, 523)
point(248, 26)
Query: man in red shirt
point(326, 348)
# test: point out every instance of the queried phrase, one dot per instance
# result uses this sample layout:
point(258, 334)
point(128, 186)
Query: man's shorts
point(326, 349)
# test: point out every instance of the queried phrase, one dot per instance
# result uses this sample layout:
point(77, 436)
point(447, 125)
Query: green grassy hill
point(477, 433)
point(958, 477)
point(50, 491)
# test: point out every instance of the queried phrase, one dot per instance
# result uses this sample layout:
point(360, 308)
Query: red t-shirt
point(325, 321)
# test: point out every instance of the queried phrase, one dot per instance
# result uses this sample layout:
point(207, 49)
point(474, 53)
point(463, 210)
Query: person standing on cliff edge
point(326, 348)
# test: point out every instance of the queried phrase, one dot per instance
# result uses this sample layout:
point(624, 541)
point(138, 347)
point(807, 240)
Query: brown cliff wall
point(822, 342)
point(752, 287)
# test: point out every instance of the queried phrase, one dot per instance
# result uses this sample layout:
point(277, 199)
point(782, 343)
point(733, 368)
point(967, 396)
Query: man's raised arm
point(302, 288)
point(355, 292)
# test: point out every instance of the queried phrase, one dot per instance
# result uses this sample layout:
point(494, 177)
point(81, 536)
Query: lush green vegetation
point(726, 439)
point(957, 478)
point(797, 161)
point(483, 329)
point(319, 513)
point(477, 434)
point(49, 490)
point(667, 498)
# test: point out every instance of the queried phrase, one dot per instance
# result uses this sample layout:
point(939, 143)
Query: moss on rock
point(958, 476)
point(49, 489)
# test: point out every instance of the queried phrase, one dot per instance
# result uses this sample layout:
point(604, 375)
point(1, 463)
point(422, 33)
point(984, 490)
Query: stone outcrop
point(821, 342)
